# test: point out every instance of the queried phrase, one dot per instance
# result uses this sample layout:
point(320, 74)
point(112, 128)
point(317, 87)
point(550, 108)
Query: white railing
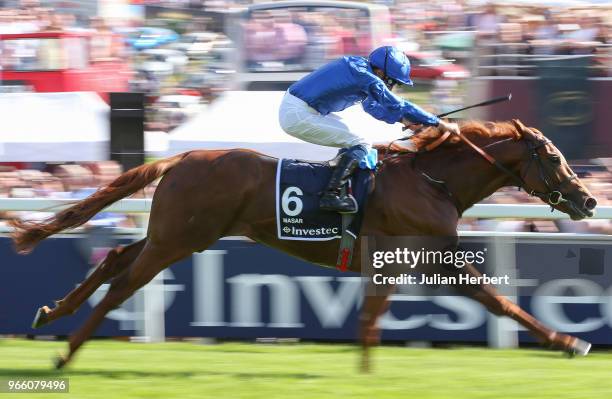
point(55, 205)
point(485, 211)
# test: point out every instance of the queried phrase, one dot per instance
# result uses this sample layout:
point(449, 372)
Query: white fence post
point(502, 332)
point(208, 288)
point(152, 307)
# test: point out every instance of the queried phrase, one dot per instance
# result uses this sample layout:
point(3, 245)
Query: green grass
point(108, 369)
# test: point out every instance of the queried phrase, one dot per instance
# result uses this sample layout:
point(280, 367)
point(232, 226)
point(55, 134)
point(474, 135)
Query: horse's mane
point(478, 131)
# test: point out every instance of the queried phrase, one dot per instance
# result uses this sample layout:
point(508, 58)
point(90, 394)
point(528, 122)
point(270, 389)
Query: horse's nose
point(590, 203)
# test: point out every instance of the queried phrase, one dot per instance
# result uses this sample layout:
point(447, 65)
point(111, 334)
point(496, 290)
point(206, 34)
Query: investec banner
point(244, 290)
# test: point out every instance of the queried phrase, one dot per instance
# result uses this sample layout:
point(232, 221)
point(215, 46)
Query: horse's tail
point(28, 234)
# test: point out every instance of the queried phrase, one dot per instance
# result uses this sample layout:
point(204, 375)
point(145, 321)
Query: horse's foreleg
point(369, 333)
point(149, 262)
point(501, 306)
point(115, 261)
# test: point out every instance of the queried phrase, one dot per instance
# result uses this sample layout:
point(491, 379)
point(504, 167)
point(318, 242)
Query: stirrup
point(346, 204)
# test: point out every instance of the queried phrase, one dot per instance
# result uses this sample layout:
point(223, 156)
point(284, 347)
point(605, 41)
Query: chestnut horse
point(206, 195)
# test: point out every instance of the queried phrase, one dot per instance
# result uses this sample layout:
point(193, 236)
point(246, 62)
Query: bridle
point(552, 196)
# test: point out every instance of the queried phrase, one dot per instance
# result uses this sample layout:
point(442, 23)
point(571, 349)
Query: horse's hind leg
point(369, 333)
point(115, 261)
point(501, 306)
point(152, 260)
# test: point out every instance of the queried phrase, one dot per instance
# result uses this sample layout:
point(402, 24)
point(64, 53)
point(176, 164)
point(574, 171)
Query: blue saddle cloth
point(299, 185)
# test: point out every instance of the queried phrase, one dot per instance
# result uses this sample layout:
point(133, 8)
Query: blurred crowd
point(505, 38)
point(518, 27)
point(36, 16)
point(489, 39)
point(304, 38)
point(62, 181)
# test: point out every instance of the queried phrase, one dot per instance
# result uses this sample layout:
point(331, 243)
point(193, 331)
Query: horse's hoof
point(41, 317)
point(59, 362)
point(579, 348)
point(364, 366)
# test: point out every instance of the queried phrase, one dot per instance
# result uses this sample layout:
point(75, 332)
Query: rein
point(434, 144)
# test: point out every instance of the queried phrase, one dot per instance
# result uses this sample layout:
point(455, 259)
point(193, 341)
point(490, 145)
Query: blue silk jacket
point(349, 80)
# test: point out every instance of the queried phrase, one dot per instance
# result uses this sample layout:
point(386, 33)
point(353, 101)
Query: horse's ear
point(521, 129)
point(519, 126)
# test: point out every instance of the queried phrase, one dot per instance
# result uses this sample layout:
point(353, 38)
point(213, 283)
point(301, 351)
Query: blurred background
point(89, 88)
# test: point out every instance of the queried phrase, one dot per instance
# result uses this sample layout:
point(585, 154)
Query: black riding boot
point(332, 200)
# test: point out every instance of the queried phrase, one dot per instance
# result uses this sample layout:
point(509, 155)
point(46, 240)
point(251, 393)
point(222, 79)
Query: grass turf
point(109, 369)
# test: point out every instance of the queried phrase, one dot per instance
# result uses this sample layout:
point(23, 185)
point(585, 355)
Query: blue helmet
point(393, 63)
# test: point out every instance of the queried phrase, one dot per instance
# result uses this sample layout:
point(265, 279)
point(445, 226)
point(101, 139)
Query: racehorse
point(205, 195)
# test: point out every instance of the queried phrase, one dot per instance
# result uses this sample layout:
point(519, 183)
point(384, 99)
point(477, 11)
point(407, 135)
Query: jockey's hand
point(449, 127)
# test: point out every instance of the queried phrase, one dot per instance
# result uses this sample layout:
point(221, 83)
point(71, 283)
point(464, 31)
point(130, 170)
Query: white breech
point(299, 120)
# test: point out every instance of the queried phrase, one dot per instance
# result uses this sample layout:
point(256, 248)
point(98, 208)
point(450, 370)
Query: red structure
point(60, 61)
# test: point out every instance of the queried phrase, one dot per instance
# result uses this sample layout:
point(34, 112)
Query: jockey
point(306, 111)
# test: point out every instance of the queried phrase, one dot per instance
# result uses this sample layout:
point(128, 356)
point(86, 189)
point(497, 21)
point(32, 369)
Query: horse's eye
point(555, 159)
